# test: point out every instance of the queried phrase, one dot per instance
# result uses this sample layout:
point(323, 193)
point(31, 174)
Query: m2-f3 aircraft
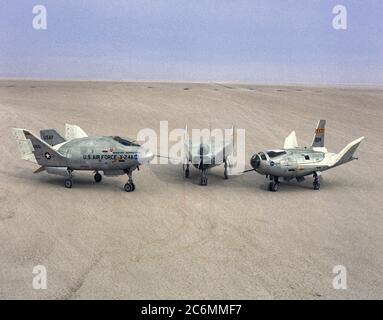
point(295, 162)
point(57, 155)
point(206, 154)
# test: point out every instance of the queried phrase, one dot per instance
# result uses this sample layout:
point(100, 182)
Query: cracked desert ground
point(172, 238)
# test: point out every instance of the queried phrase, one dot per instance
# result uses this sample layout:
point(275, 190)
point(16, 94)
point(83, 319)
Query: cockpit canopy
point(126, 142)
point(275, 153)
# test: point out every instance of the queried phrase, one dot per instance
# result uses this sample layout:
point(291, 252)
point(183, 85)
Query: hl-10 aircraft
point(57, 155)
point(204, 155)
point(295, 162)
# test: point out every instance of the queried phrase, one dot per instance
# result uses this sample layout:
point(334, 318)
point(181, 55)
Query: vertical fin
point(347, 153)
point(74, 132)
point(51, 137)
point(186, 146)
point(43, 153)
point(24, 145)
point(318, 140)
point(291, 141)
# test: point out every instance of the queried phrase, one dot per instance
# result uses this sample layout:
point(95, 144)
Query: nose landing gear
point(68, 183)
point(316, 183)
point(129, 186)
point(274, 184)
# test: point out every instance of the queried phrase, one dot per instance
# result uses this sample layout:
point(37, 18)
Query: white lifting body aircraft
point(207, 153)
point(57, 155)
point(296, 162)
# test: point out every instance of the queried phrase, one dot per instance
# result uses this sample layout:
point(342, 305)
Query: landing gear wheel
point(203, 181)
point(97, 177)
point(68, 183)
point(273, 186)
point(129, 187)
point(225, 172)
point(316, 183)
point(186, 171)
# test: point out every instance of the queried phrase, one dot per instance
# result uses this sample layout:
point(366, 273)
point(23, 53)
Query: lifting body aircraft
point(296, 162)
point(206, 154)
point(112, 155)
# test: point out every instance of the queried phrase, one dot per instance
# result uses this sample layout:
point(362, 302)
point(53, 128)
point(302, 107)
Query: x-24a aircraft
point(295, 162)
point(55, 154)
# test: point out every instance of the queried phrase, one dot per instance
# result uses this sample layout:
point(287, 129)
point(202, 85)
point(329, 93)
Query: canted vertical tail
point(318, 140)
point(51, 136)
point(291, 141)
point(185, 151)
point(74, 132)
point(347, 154)
point(35, 150)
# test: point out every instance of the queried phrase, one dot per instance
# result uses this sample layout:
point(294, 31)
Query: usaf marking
point(110, 156)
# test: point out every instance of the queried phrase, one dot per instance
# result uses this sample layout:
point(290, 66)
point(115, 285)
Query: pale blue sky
point(203, 40)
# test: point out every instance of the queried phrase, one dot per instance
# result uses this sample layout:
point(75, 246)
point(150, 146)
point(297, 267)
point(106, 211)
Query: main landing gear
point(274, 184)
point(225, 170)
point(97, 177)
point(316, 183)
point(203, 181)
point(186, 169)
point(203, 177)
point(129, 186)
point(69, 181)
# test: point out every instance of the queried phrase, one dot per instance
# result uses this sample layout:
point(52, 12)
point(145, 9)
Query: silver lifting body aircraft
point(296, 162)
point(57, 155)
point(206, 154)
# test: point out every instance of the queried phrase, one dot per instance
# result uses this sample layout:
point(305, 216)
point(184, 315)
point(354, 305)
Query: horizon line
point(218, 82)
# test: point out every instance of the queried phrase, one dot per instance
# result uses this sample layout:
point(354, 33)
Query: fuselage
point(208, 154)
point(290, 163)
point(103, 153)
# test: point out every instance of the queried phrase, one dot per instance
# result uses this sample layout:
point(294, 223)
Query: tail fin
point(229, 142)
point(233, 137)
point(347, 153)
point(36, 150)
point(318, 140)
point(291, 141)
point(51, 137)
point(185, 150)
point(186, 135)
point(73, 132)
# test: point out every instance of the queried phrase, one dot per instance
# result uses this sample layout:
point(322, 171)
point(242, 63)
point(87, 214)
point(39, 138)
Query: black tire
point(97, 177)
point(316, 185)
point(129, 187)
point(273, 187)
point(203, 181)
point(187, 173)
point(225, 171)
point(68, 183)
point(133, 186)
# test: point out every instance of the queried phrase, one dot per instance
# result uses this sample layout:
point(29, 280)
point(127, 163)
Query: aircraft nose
point(255, 161)
point(146, 157)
